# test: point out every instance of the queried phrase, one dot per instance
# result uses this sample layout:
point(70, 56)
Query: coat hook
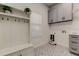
point(7, 19)
point(2, 18)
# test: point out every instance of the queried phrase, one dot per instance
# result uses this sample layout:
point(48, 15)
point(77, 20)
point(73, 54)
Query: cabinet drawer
point(74, 42)
point(73, 45)
point(75, 39)
point(74, 36)
point(75, 50)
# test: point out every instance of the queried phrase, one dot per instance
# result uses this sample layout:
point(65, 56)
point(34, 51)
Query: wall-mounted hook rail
point(2, 18)
point(7, 19)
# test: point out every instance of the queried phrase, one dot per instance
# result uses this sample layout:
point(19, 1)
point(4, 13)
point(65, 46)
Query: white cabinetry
point(53, 14)
point(64, 12)
point(74, 44)
point(60, 13)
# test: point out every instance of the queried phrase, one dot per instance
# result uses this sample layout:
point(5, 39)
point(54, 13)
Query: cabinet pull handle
point(2, 18)
point(74, 37)
point(74, 49)
point(74, 42)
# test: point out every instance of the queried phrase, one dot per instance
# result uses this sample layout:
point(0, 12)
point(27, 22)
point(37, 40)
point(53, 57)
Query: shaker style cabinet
point(74, 44)
point(60, 13)
point(53, 14)
point(64, 12)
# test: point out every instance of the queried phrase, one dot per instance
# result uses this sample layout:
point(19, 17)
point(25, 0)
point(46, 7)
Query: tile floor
point(50, 50)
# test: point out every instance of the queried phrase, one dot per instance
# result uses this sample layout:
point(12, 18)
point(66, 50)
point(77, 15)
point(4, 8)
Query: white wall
point(43, 11)
point(70, 28)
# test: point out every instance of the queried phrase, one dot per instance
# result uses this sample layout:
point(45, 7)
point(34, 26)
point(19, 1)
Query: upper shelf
point(17, 13)
point(12, 15)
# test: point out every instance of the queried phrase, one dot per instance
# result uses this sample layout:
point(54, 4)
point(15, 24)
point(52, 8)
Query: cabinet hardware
point(74, 49)
point(74, 42)
point(74, 37)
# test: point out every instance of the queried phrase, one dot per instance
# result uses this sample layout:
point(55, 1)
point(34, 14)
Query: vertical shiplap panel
point(12, 33)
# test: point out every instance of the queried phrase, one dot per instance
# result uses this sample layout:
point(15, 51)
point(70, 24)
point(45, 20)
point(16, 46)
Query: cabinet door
point(64, 12)
point(68, 11)
point(53, 14)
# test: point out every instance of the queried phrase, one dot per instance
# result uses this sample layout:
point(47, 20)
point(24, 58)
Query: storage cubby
point(14, 31)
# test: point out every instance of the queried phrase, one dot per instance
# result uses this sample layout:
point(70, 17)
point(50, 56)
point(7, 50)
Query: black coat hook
point(2, 18)
point(7, 19)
